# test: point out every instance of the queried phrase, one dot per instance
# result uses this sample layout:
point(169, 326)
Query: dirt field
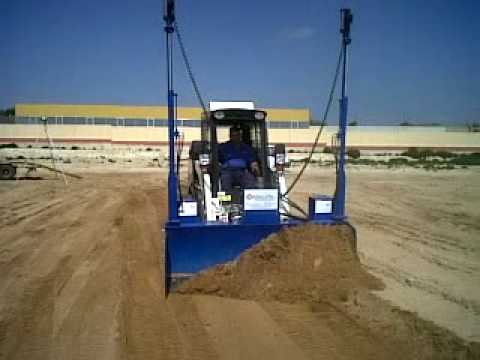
point(81, 269)
point(419, 231)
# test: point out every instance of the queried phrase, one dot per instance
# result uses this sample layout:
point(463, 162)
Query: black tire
point(7, 172)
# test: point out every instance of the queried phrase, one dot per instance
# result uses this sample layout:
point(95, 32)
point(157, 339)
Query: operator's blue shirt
point(233, 156)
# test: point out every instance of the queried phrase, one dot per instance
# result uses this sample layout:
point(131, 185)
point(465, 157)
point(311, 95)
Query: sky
point(409, 60)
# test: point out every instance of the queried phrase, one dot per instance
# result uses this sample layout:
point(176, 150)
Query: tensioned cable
point(335, 152)
point(50, 147)
point(296, 206)
point(295, 216)
point(189, 68)
point(322, 125)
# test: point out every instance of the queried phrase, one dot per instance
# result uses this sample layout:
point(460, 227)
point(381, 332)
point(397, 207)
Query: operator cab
point(215, 126)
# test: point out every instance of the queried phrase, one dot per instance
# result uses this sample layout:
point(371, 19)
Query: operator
point(238, 164)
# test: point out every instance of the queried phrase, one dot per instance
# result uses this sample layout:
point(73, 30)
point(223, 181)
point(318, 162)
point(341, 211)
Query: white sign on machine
point(323, 206)
point(261, 199)
point(188, 208)
point(222, 105)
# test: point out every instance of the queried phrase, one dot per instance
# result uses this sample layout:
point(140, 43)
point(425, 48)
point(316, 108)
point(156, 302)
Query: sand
point(308, 263)
point(81, 275)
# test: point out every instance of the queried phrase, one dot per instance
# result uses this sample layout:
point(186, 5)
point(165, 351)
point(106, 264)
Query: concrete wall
point(363, 137)
point(411, 136)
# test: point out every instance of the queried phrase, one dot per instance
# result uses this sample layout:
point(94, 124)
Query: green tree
point(473, 127)
point(8, 111)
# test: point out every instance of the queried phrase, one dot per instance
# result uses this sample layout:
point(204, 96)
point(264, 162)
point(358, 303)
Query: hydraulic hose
point(322, 125)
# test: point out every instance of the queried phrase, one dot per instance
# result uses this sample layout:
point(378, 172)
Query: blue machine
point(207, 226)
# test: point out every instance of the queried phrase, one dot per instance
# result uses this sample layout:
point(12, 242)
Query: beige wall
point(73, 132)
point(362, 136)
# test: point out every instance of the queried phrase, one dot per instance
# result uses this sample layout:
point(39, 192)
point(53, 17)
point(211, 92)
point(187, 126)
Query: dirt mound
point(303, 263)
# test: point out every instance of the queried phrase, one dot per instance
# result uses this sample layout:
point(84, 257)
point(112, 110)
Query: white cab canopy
point(217, 105)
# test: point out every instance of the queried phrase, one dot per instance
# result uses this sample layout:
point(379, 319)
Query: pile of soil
point(318, 266)
point(303, 263)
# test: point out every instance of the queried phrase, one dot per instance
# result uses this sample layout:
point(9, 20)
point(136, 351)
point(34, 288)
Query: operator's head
point(235, 135)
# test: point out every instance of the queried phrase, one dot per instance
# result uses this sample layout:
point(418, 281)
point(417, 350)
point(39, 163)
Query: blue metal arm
point(340, 192)
point(172, 174)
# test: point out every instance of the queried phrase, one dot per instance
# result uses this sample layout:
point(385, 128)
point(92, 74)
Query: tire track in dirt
point(183, 327)
point(424, 233)
point(241, 329)
point(423, 246)
point(326, 332)
point(403, 237)
point(409, 235)
point(64, 271)
point(85, 281)
point(31, 319)
point(13, 218)
point(150, 330)
point(407, 231)
point(192, 329)
point(33, 246)
point(35, 217)
point(87, 306)
point(432, 245)
point(411, 280)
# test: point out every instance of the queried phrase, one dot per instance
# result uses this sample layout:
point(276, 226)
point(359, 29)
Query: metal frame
point(194, 244)
point(210, 126)
point(339, 198)
point(172, 174)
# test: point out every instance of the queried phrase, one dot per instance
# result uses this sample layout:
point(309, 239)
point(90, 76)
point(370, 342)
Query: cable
point(322, 125)
point(189, 68)
point(180, 144)
point(295, 205)
point(294, 216)
point(335, 150)
point(50, 147)
point(179, 149)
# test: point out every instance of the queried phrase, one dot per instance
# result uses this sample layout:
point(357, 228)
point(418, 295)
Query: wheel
point(7, 171)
